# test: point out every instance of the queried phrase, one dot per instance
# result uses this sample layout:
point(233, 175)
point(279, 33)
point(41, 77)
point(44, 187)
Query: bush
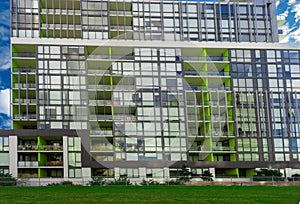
point(206, 176)
point(7, 180)
point(184, 175)
point(174, 182)
point(63, 183)
point(97, 181)
point(122, 181)
point(295, 177)
point(268, 175)
point(150, 182)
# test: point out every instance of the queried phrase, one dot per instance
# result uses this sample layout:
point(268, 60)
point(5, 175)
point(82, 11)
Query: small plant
point(122, 181)
point(97, 181)
point(7, 180)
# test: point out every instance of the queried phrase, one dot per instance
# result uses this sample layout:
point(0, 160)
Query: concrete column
point(142, 173)
point(166, 174)
point(13, 156)
point(212, 171)
point(65, 157)
point(117, 172)
point(288, 172)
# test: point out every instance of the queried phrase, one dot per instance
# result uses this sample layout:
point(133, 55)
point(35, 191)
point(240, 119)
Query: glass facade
point(143, 20)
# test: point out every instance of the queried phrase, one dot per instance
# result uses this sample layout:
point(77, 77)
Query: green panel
point(233, 157)
point(41, 141)
point(204, 52)
point(42, 159)
point(250, 173)
point(42, 173)
point(17, 125)
point(232, 172)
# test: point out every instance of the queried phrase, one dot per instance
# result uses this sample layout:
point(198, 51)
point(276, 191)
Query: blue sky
point(4, 65)
point(293, 15)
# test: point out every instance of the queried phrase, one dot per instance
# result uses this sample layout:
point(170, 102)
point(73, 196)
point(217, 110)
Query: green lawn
point(151, 194)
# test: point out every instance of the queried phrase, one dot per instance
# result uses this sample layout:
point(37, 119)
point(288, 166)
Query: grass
point(151, 194)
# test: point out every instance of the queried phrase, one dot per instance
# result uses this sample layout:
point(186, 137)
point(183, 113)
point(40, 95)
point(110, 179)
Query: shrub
point(97, 181)
point(184, 175)
point(268, 175)
point(175, 182)
point(206, 176)
point(7, 180)
point(63, 183)
point(295, 177)
point(150, 182)
point(122, 181)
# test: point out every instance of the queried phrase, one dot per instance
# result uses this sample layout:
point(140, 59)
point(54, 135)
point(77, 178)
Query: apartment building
point(142, 88)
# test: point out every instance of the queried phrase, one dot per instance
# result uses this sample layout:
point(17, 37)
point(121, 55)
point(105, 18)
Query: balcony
point(40, 148)
point(54, 163)
point(27, 175)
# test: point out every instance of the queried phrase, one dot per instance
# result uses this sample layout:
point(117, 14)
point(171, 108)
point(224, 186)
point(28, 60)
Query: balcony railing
point(114, 57)
point(195, 58)
point(102, 148)
point(40, 148)
point(23, 54)
point(24, 70)
point(223, 148)
point(21, 100)
point(194, 73)
point(206, 88)
point(60, 11)
point(100, 117)
point(101, 132)
point(28, 164)
point(24, 86)
point(120, 13)
point(100, 102)
point(25, 116)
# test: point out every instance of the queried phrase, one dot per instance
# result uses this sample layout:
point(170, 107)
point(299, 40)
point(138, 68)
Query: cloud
point(5, 101)
point(5, 121)
point(5, 57)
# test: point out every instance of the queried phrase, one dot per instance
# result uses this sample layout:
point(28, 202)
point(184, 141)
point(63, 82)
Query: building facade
point(142, 88)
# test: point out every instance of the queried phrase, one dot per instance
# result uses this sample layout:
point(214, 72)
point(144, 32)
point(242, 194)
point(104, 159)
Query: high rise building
point(142, 88)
